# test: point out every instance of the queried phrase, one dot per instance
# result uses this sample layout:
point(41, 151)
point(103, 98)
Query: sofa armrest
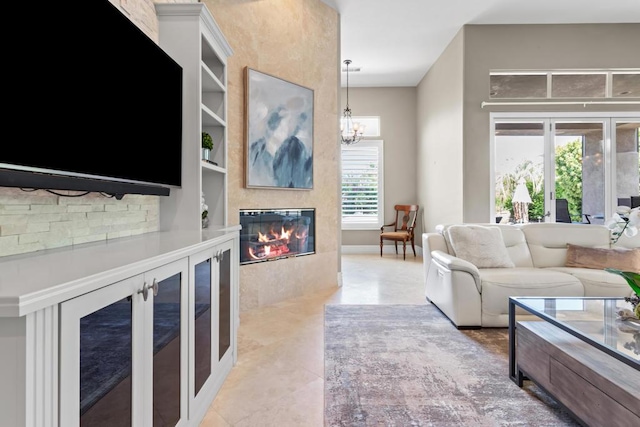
point(430, 243)
point(457, 264)
point(453, 285)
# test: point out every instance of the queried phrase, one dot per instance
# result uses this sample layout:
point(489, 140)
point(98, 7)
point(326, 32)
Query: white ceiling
point(395, 42)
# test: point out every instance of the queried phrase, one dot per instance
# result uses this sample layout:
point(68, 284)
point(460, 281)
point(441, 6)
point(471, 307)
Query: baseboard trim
point(375, 249)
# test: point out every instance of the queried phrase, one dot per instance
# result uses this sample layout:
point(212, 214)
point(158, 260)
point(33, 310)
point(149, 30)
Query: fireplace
point(270, 234)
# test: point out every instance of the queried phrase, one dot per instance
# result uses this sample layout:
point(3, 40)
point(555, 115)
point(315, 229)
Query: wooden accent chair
point(403, 228)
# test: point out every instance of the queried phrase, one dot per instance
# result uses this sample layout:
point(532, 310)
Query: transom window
point(564, 84)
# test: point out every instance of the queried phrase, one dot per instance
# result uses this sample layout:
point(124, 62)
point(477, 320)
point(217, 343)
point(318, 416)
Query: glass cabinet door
point(168, 296)
point(211, 318)
point(224, 301)
point(98, 373)
point(201, 318)
point(123, 352)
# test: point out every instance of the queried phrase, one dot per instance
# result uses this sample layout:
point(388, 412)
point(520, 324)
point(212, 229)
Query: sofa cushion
point(481, 246)
point(498, 284)
point(516, 244)
point(548, 241)
point(598, 283)
point(601, 258)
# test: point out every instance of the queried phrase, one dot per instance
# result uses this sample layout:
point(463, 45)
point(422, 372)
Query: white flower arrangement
point(624, 221)
point(204, 209)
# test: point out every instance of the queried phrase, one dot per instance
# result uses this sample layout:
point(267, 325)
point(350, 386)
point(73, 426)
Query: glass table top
point(595, 320)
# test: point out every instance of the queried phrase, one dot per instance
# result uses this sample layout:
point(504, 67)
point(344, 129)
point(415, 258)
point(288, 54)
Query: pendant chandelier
point(350, 132)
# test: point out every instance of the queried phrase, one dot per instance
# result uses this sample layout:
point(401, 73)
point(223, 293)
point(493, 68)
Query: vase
point(205, 222)
point(206, 154)
point(634, 300)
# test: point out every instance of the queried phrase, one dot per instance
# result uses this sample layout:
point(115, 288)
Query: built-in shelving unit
point(172, 295)
point(189, 33)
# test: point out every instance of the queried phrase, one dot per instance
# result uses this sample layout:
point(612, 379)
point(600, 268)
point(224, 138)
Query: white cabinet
point(123, 352)
point(81, 345)
point(188, 32)
point(213, 323)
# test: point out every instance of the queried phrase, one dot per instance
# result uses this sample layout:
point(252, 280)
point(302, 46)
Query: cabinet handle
point(219, 256)
point(154, 286)
point(144, 291)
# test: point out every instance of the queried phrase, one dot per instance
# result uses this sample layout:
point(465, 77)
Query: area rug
point(407, 365)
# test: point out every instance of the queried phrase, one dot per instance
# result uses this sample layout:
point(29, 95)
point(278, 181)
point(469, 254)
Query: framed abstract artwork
point(279, 133)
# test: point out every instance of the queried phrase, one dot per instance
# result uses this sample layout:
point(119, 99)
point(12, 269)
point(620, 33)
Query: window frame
point(371, 125)
point(365, 225)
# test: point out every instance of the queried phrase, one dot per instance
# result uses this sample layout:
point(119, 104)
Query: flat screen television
point(100, 103)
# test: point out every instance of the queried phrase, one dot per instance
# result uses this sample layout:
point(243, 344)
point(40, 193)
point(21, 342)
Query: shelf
point(209, 118)
point(210, 83)
point(206, 166)
point(191, 36)
point(211, 59)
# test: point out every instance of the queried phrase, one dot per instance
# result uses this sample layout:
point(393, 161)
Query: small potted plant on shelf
point(207, 146)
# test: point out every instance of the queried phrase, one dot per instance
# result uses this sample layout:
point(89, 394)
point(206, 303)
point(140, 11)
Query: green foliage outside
point(569, 176)
point(568, 183)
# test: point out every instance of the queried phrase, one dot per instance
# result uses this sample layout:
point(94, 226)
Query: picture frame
point(279, 133)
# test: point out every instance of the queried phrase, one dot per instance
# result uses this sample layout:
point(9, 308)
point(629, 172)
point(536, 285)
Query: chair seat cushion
point(397, 235)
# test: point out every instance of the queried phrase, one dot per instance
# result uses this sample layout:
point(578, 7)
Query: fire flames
point(275, 243)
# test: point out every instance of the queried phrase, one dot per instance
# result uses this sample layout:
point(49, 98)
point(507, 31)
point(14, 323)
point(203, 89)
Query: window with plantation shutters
point(362, 185)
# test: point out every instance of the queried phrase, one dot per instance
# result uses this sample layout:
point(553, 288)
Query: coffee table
point(577, 351)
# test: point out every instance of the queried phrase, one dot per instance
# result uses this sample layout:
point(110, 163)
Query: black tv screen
point(103, 103)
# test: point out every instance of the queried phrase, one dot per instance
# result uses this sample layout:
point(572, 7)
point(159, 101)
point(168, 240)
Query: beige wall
point(297, 41)
point(543, 47)
point(453, 129)
point(439, 124)
point(396, 107)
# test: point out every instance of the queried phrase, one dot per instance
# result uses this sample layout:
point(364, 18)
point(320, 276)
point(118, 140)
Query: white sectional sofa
point(478, 297)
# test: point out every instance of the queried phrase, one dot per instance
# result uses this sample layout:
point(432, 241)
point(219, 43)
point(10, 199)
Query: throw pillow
point(600, 258)
point(481, 246)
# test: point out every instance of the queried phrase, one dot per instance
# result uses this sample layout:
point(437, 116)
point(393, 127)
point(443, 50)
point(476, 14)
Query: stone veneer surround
point(33, 221)
point(297, 41)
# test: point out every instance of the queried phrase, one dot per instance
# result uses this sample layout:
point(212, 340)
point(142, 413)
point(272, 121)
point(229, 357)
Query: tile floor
point(279, 378)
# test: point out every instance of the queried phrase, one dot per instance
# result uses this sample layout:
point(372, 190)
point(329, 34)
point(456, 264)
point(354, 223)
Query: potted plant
point(207, 146)
point(633, 280)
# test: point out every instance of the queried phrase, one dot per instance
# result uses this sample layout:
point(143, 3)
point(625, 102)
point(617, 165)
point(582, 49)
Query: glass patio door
point(564, 169)
point(519, 170)
point(625, 185)
point(577, 163)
